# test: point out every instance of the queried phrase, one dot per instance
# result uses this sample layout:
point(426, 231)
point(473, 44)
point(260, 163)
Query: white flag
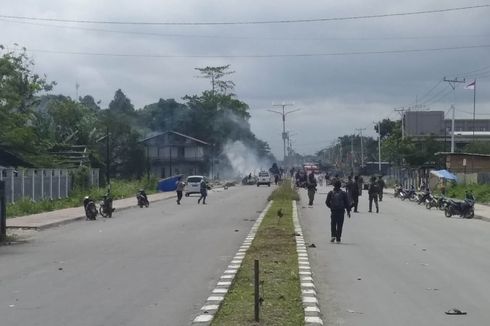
point(471, 85)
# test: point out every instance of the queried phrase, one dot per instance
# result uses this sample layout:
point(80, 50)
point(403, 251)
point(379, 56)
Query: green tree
point(119, 145)
point(215, 75)
point(19, 86)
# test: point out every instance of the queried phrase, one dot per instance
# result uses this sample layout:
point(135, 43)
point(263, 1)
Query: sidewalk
point(62, 216)
point(482, 211)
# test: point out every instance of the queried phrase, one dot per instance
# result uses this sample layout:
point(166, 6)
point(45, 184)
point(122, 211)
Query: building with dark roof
point(171, 153)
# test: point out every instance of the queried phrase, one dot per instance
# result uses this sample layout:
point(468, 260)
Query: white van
point(193, 185)
point(264, 178)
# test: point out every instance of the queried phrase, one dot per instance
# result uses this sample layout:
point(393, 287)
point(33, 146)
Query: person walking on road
point(311, 186)
point(180, 189)
point(373, 193)
point(204, 192)
point(381, 185)
point(338, 203)
point(353, 190)
point(360, 182)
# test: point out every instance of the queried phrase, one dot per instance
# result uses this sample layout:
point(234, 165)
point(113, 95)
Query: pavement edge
point(308, 289)
point(213, 302)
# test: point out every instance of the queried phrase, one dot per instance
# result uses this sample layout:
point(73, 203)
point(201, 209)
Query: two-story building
point(171, 153)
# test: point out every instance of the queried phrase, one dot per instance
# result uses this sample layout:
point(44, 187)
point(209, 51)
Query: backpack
point(337, 202)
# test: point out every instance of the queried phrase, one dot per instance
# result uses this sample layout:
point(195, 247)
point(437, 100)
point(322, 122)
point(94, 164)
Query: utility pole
point(362, 146)
point(402, 114)
point(352, 153)
point(77, 86)
point(452, 83)
point(379, 146)
point(283, 114)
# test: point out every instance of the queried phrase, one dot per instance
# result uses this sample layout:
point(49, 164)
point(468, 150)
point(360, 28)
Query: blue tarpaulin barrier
point(444, 174)
point(168, 184)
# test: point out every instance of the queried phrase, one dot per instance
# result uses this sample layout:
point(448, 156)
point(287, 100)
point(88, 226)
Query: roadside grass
point(275, 248)
point(480, 191)
point(119, 189)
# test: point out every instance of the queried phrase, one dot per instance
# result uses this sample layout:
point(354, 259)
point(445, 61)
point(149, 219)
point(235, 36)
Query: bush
point(480, 191)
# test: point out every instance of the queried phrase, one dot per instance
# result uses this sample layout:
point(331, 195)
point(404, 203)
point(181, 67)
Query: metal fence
point(3, 213)
point(39, 184)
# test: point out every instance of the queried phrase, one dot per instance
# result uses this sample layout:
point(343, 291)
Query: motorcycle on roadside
point(90, 208)
point(464, 209)
point(142, 198)
point(106, 208)
point(423, 197)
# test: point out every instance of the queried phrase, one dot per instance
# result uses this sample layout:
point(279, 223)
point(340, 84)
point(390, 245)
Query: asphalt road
point(148, 266)
point(404, 266)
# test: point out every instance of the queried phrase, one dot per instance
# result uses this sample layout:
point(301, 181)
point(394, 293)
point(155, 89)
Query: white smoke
point(244, 160)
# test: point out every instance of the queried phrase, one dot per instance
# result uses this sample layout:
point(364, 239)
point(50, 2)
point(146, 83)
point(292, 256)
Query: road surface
point(145, 266)
point(404, 266)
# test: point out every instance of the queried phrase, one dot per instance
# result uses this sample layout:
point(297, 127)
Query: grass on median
point(275, 248)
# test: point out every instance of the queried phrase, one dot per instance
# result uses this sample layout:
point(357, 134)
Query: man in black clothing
point(311, 186)
point(381, 185)
point(353, 189)
point(373, 193)
point(338, 203)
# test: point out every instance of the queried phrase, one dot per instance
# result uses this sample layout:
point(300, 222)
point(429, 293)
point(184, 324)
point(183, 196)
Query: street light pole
point(452, 83)
point(379, 147)
point(362, 146)
point(283, 114)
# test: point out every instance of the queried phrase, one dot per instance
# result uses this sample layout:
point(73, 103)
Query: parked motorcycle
point(422, 197)
point(142, 199)
point(464, 209)
point(90, 208)
point(409, 194)
point(397, 191)
point(106, 208)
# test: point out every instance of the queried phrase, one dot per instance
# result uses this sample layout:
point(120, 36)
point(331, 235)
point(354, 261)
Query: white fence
point(39, 184)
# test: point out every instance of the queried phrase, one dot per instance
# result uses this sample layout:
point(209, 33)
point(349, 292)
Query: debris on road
point(455, 311)
point(354, 312)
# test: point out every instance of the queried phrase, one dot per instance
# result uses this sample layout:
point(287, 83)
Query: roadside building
point(171, 153)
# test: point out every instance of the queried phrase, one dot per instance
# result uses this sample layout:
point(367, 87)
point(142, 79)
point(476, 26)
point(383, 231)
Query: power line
point(239, 37)
point(258, 22)
point(430, 91)
point(279, 55)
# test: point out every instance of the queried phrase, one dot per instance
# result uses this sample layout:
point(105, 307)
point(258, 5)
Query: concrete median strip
point(226, 280)
point(308, 290)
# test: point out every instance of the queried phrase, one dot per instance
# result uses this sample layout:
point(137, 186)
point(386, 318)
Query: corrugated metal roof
point(175, 133)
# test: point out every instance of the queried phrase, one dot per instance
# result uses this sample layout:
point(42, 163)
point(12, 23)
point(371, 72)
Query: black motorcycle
point(397, 191)
point(90, 208)
point(106, 208)
point(464, 209)
point(142, 199)
point(421, 198)
point(409, 194)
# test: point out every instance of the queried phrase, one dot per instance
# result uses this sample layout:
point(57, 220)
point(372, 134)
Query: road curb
point(74, 218)
point(214, 301)
point(308, 289)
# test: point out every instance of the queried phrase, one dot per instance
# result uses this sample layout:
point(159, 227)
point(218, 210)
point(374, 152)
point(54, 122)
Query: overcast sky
point(338, 86)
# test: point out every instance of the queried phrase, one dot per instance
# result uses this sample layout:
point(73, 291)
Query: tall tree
point(18, 88)
point(215, 75)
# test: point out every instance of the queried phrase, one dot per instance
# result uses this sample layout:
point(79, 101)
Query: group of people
point(203, 188)
point(340, 201)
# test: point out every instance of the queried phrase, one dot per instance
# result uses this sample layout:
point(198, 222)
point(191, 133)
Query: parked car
point(193, 185)
point(264, 178)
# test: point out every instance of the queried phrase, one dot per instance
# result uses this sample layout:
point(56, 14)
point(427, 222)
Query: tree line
point(36, 124)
